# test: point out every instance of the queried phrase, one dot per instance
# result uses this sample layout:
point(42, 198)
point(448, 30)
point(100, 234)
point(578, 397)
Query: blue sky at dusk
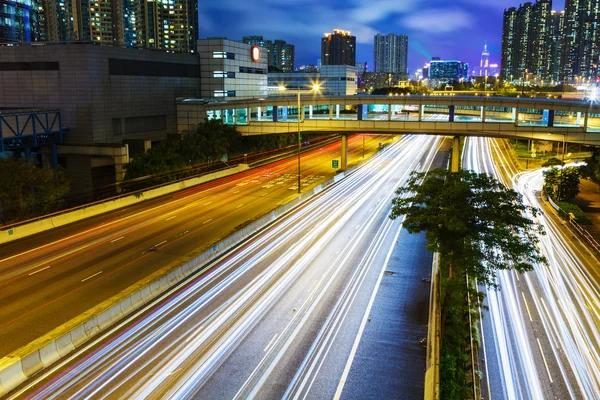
point(449, 29)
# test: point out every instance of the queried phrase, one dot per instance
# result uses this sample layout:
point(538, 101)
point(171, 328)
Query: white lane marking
point(39, 270)
point(241, 205)
point(264, 194)
point(527, 307)
point(90, 277)
point(117, 239)
point(170, 218)
point(237, 191)
point(545, 363)
point(163, 242)
point(270, 343)
point(210, 202)
point(207, 221)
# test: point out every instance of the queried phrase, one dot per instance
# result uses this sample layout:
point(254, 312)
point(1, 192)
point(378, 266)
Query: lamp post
point(314, 88)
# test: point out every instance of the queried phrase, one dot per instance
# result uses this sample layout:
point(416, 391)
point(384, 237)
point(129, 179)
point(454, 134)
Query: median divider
point(432, 366)
point(30, 359)
point(11, 233)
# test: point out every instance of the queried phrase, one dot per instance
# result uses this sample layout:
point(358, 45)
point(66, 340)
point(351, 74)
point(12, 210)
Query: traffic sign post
point(335, 164)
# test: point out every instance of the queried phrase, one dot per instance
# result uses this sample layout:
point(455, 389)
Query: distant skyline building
point(361, 67)
point(338, 48)
point(281, 55)
point(390, 53)
point(448, 70)
point(581, 40)
point(171, 26)
point(484, 63)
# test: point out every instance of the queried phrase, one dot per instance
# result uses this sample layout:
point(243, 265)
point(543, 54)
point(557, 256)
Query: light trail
point(551, 347)
point(172, 349)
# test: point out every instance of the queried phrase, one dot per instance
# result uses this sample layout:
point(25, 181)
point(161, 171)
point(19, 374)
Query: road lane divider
point(32, 358)
point(10, 233)
point(39, 270)
point(91, 276)
point(170, 218)
point(117, 239)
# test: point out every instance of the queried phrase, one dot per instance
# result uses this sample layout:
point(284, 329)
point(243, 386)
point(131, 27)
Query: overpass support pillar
point(275, 116)
point(344, 157)
point(482, 113)
point(310, 112)
point(337, 111)
point(516, 115)
point(455, 163)
point(550, 118)
point(359, 114)
point(450, 113)
point(389, 112)
point(585, 121)
point(330, 111)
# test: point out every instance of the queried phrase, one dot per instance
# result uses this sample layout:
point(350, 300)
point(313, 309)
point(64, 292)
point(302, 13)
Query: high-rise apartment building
point(280, 54)
point(18, 20)
point(391, 53)
point(448, 70)
point(170, 25)
point(527, 41)
point(538, 43)
point(338, 48)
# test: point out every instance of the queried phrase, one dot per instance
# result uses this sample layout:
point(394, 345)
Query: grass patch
point(568, 208)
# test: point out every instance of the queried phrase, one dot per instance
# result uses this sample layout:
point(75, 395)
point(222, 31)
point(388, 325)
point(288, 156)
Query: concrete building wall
point(106, 94)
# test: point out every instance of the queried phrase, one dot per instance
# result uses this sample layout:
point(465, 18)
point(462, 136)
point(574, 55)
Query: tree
point(562, 184)
point(591, 169)
point(29, 191)
point(553, 162)
point(476, 224)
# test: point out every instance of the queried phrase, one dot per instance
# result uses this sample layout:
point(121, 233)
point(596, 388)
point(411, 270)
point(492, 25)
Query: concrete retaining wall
point(54, 221)
point(22, 364)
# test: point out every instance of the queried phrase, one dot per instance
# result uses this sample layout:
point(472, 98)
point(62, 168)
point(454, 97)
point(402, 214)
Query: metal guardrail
point(578, 228)
point(432, 362)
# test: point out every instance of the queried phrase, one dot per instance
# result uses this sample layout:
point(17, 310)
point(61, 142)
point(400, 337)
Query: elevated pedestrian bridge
point(503, 117)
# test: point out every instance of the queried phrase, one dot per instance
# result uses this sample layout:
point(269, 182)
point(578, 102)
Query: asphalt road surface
point(541, 335)
point(48, 279)
point(279, 317)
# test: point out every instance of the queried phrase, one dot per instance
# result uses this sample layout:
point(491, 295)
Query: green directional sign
point(335, 164)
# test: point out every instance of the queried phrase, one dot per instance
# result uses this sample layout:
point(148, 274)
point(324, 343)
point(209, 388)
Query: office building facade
point(230, 69)
point(391, 53)
point(334, 80)
point(338, 48)
point(448, 70)
point(280, 54)
point(19, 20)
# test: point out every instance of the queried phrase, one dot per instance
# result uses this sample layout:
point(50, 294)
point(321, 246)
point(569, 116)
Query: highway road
point(279, 317)
point(541, 335)
point(48, 279)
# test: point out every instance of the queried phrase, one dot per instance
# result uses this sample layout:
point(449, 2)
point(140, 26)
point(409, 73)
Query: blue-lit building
point(448, 70)
point(18, 20)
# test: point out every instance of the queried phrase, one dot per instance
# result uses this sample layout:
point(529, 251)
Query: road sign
point(335, 164)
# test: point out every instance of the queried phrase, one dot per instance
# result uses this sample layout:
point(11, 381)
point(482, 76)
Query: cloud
point(377, 10)
point(437, 21)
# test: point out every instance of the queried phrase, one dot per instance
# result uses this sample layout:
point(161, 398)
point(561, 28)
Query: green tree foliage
point(401, 90)
point(29, 191)
point(562, 183)
point(475, 223)
point(592, 168)
point(553, 162)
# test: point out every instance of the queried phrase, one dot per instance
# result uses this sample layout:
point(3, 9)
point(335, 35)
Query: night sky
point(449, 29)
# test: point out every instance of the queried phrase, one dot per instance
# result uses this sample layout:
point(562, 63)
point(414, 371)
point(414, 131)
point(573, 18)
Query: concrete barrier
point(432, 371)
point(23, 363)
point(9, 234)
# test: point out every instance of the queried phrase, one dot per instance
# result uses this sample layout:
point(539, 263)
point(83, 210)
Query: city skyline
point(434, 29)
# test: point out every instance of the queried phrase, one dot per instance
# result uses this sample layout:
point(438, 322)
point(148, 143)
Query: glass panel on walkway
point(241, 116)
point(531, 117)
point(261, 114)
point(376, 112)
point(229, 117)
point(316, 112)
point(467, 114)
point(213, 114)
point(593, 122)
point(435, 113)
point(567, 119)
point(349, 112)
point(405, 112)
point(500, 115)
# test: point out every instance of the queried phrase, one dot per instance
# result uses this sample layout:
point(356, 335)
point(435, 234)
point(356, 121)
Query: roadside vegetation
point(29, 191)
point(478, 227)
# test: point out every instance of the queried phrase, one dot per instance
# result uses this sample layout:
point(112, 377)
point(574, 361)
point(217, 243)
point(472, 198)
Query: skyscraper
point(18, 20)
point(391, 53)
point(484, 63)
point(338, 48)
point(280, 54)
point(580, 46)
point(558, 22)
point(527, 41)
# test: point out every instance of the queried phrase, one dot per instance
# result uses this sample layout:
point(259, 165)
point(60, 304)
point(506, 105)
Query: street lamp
point(314, 88)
